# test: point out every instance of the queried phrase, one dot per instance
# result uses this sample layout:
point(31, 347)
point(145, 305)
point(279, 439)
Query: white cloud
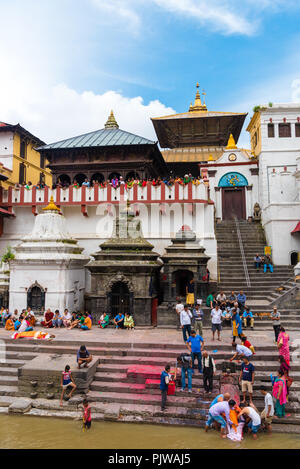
point(60, 112)
point(241, 17)
point(218, 14)
point(120, 10)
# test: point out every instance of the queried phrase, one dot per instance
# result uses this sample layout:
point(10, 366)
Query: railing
point(247, 277)
point(94, 195)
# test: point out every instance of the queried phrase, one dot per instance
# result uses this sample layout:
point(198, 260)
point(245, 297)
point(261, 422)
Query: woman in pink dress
point(283, 345)
point(280, 394)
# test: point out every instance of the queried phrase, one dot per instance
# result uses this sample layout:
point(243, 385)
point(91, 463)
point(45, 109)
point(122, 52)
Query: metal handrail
point(242, 253)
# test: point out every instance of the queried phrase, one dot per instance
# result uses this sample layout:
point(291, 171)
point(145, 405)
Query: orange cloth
point(9, 325)
point(88, 322)
point(233, 417)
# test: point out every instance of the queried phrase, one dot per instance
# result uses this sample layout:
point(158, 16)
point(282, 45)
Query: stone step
point(8, 371)
point(11, 364)
point(145, 388)
point(152, 399)
point(8, 380)
point(8, 390)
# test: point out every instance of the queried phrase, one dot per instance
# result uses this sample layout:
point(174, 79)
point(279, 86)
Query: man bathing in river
point(216, 413)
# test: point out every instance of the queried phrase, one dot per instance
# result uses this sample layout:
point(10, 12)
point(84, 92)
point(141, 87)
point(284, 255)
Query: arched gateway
point(233, 196)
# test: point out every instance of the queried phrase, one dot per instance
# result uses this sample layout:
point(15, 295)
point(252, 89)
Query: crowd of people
point(231, 311)
point(27, 320)
point(117, 181)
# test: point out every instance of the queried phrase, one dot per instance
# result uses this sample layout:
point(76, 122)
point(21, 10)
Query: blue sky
point(65, 64)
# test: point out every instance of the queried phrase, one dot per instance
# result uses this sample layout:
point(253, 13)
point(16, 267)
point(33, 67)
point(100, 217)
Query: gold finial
point(52, 206)
point(198, 106)
point(231, 145)
point(210, 157)
point(111, 122)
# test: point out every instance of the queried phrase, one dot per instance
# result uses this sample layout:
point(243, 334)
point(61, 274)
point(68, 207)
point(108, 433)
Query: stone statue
point(256, 212)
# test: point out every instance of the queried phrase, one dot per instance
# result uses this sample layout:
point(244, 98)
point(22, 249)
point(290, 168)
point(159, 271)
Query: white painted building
point(48, 266)
point(275, 140)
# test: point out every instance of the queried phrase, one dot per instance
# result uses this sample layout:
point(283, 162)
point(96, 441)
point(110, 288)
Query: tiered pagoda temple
point(196, 136)
point(104, 154)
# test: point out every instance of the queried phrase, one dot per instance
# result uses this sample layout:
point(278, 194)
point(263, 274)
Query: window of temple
point(23, 149)
point(64, 180)
point(42, 161)
point(132, 174)
point(22, 173)
point(297, 130)
point(271, 131)
point(36, 298)
point(80, 178)
point(284, 130)
point(97, 177)
point(114, 176)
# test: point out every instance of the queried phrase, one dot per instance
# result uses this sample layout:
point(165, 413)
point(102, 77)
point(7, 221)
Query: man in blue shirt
point(164, 383)
point(241, 298)
point(247, 379)
point(119, 321)
point(195, 345)
point(248, 318)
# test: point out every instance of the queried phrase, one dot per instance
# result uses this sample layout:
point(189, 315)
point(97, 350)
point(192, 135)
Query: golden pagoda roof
point(192, 154)
point(51, 206)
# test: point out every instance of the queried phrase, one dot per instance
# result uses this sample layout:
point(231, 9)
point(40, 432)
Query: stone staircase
point(126, 384)
point(260, 288)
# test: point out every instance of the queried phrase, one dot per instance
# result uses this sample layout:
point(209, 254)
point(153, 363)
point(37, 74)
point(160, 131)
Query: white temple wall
point(65, 286)
point(159, 224)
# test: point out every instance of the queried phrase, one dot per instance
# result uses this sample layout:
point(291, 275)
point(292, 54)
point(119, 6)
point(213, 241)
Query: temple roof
point(198, 126)
point(111, 135)
point(99, 138)
point(17, 128)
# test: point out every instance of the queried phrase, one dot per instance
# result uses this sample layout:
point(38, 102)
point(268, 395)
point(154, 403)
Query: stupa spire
point(198, 106)
point(111, 122)
point(231, 145)
point(52, 206)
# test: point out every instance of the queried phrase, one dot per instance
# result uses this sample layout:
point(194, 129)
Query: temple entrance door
point(36, 298)
point(181, 279)
point(120, 299)
point(233, 203)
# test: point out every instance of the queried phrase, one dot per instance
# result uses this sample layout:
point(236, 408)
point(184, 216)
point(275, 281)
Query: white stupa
point(48, 269)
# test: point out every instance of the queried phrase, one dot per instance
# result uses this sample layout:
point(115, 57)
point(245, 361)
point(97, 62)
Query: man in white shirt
point(255, 421)
point(185, 322)
point(179, 307)
point(216, 321)
point(268, 412)
point(241, 351)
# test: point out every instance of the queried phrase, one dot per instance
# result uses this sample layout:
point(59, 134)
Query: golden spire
point(231, 145)
point(52, 206)
point(111, 122)
point(198, 106)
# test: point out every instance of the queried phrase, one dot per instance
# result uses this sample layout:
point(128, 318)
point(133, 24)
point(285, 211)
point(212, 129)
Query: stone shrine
point(124, 273)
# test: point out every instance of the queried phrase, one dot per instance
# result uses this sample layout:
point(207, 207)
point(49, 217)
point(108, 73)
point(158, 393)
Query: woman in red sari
point(48, 316)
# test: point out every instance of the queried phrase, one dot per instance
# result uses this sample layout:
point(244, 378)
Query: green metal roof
point(99, 138)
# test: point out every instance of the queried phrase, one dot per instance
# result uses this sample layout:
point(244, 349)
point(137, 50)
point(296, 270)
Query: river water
point(49, 433)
